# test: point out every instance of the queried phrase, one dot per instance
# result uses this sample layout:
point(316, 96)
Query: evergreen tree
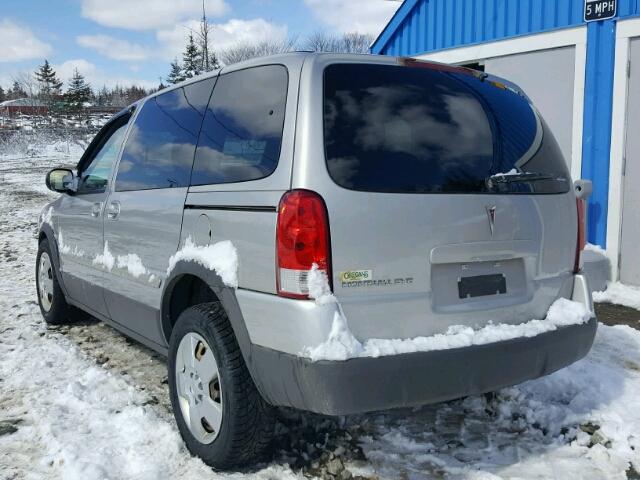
point(214, 64)
point(191, 61)
point(79, 91)
point(3, 96)
point(176, 75)
point(50, 85)
point(16, 91)
point(103, 96)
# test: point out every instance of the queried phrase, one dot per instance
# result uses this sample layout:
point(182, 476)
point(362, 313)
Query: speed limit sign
point(599, 9)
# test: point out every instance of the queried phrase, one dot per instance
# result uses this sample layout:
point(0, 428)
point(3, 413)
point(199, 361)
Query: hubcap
point(198, 388)
point(45, 282)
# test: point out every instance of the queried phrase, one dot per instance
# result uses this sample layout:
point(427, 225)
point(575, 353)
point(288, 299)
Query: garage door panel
point(630, 244)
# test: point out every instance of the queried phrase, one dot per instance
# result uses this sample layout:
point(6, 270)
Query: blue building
point(583, 76)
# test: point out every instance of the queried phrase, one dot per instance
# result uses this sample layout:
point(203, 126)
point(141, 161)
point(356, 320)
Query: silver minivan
point(313, 231)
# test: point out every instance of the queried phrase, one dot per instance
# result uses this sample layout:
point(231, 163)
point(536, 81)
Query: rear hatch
point(449, 201)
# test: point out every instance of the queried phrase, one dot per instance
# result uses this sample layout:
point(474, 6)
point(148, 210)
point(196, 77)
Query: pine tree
point(214, 64)
point(16, 91)
point(3, 96)
point(191, 62)
point(176, 75)
point(103, 96)
point(50, 85)
point(79, 91)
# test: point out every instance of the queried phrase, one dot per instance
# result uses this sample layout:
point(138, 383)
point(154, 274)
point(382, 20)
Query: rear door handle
point(96, 209)
point(113, 210)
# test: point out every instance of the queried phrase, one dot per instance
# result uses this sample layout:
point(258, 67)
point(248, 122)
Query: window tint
point(95, 176)
point(428, 129)
point(159, 150)
point(242, 130)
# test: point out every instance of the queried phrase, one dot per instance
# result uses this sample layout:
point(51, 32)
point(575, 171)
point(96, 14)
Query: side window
point(95, 176)
point(160, 148)
point(242, 130)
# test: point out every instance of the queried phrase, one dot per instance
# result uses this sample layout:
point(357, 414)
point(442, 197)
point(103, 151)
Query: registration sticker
point(356, 276)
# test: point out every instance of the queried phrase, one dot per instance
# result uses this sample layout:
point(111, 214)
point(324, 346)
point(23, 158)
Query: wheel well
point(188, 291)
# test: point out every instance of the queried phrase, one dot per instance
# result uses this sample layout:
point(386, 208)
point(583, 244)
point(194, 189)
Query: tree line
point(44, 87)
point(199, 54)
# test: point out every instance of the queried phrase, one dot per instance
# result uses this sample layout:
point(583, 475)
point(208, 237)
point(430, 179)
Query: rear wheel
point(53, 306)
point(220, 414)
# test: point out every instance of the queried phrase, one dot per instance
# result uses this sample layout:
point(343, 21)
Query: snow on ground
point(85, 402)
point(619, 294)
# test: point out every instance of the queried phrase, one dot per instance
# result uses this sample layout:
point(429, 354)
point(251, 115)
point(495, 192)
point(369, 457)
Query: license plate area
point(478, 285)
point(482, 285)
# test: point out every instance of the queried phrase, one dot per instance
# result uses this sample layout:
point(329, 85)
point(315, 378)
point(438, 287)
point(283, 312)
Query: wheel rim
point(198, 388)
point(45, 282)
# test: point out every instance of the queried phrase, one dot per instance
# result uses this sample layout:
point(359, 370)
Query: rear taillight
point(302, 240)
point(581, 240)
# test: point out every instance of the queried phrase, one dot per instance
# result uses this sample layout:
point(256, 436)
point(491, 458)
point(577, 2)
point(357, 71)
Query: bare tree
point(208, 58)
point(27, 83)
point(355, 42)
point(321, 41)
point(245, 50)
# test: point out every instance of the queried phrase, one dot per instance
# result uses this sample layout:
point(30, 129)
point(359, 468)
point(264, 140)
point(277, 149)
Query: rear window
point(430, 129)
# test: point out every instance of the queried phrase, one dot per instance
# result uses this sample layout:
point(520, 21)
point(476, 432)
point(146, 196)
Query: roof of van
point(306, 55)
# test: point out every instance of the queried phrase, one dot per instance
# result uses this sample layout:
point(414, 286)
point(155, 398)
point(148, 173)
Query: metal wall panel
point(421, 26)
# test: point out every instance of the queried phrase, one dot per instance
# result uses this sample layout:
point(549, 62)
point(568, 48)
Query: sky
point(133, 41)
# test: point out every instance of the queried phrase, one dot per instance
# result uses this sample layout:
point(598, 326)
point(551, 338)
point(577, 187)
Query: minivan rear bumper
point(368, 384)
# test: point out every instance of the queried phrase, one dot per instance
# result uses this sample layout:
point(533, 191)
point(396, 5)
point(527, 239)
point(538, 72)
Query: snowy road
point(85, 402)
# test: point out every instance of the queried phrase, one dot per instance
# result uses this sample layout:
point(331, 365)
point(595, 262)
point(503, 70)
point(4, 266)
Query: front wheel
point(53, 305)
point(220, 414)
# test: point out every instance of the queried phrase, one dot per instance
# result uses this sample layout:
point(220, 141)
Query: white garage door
point(547, 77)
point(630, 246)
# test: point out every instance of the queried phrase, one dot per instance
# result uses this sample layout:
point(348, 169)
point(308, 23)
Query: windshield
point(431, 129)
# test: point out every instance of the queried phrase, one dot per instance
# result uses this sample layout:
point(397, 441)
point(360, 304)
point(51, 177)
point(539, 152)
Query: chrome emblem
point(491, 215)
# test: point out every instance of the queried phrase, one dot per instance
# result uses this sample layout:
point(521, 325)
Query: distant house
point(22, 106)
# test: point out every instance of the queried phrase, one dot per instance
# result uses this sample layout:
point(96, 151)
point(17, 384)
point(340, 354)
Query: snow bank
point(221, 257)
point(620, 294)
point(342, 345)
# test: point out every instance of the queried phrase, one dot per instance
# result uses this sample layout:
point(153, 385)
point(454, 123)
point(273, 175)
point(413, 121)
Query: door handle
point(96, 209)
point(113, 210)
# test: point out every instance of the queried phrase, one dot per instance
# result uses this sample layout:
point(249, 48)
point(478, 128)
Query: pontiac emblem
point(491, 215)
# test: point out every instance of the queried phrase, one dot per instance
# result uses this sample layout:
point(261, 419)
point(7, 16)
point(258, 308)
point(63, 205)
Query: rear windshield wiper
point(521, 177)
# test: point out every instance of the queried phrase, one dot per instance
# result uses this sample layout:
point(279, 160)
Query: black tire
point(248, 422)
point(60, 312)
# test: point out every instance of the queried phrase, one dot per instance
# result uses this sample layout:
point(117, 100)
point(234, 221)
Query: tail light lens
point(302, 239)
point(581, 240)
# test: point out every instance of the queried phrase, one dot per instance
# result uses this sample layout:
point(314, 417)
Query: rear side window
point(429, 129)
point(160, 147)
point(242, 130)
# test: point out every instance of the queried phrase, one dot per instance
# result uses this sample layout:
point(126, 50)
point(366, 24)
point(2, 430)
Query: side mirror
point(583, 188)
point(61, 180)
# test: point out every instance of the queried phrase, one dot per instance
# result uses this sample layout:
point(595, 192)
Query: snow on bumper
point(375, 383)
